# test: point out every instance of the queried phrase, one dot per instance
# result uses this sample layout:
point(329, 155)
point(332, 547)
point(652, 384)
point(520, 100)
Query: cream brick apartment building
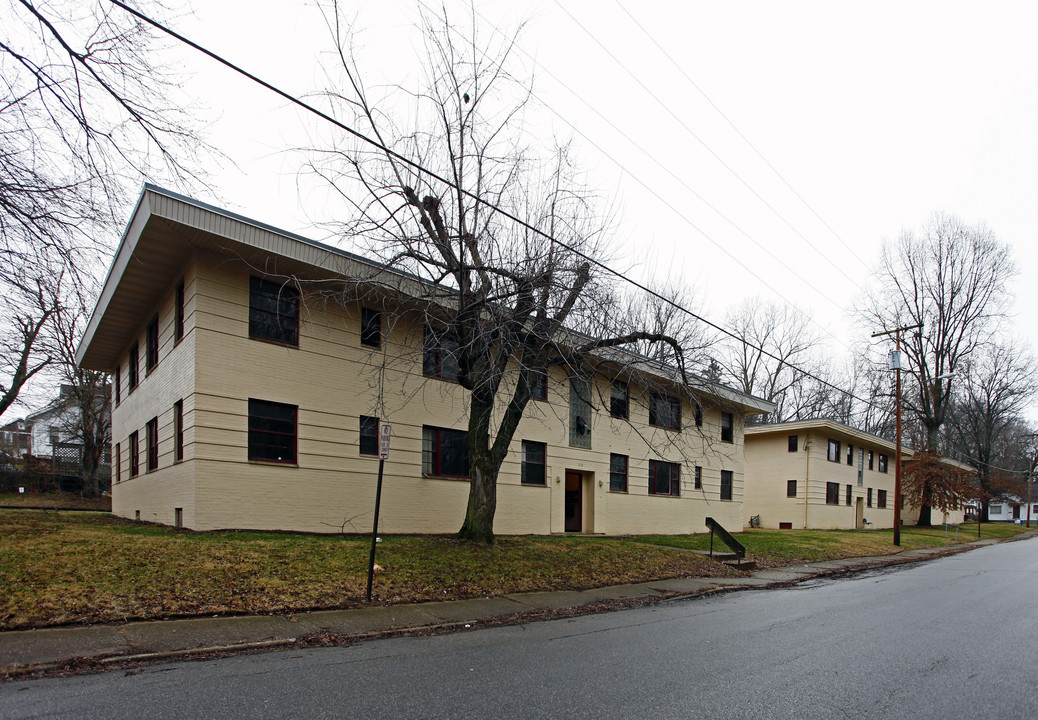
point(245, 401)
point(823, 475)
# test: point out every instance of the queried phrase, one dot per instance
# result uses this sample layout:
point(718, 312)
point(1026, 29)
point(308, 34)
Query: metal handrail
point(726, 537)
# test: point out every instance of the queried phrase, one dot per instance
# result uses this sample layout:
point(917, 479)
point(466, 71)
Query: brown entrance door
point(859, 514)
point(1016, 512)
point(574, 506)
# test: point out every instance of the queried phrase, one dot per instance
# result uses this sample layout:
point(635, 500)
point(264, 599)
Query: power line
point(611, 158)
point(717, 157)
point(393, 154)
point(739, 133)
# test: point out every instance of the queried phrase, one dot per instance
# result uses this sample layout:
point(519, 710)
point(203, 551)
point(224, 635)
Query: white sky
point(878, 115)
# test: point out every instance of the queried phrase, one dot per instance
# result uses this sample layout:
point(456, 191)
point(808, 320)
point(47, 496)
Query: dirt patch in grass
point(83, 568)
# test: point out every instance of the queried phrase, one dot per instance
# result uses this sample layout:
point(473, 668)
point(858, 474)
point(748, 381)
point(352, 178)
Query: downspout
point(807, 477)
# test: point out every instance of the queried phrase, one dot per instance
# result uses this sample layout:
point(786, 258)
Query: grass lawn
point(58, 568)
point(72, 567)
point(775, 548)
point(56, 500)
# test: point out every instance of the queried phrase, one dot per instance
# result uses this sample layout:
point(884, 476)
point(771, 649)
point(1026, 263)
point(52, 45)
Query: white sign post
point(384, 433)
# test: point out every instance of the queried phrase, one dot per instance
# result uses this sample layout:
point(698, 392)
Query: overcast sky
point(872, 117)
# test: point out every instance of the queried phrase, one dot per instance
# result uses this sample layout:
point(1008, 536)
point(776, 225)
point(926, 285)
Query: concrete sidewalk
point(55, 649)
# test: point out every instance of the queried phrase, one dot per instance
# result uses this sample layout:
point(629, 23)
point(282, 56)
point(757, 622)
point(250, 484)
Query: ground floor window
point(726, 484)
point(791, 488)
point(869, 498)
point(445, 452)
point(135, 458)
point(881, 498)
point(152, 435)
point(832, 493)
point(617, 473)
point(534, 454)
point(368, 435)
point(272, 431)
point(699, 477)
point(850, 493)
point(664, 478)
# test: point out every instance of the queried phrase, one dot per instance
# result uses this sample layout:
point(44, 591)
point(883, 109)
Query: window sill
point(279, 343)
point(534, 485)
point(446, 477)
point(619, 492)
point(661, 495)
point(275, 463)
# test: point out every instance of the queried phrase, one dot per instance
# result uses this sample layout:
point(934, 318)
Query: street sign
point(384, 433)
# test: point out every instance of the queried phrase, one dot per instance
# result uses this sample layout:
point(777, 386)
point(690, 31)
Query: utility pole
point(1030, 477)
point(894, 364)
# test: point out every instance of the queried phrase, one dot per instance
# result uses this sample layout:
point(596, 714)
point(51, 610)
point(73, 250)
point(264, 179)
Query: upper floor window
point(440, 355)
point(273, 311)
point(664, 411)
point(118, 384)
point(834, 451)
point(618, 400)
point(538, 385)
point(370, 327)
point(534, 461)
point(882, 463)
point(134, 368)
point(793, 442)
point(727, 427)
point(698, 412)
point(871, 458)
point(178, 313)
point(445, 452)
point(726, 484)
point(664, 478)
point(850, 454)
point(272, 431)
point(152, 356)
point(698, 477)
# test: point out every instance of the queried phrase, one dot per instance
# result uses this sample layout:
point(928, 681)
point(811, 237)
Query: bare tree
point(773, 349)
point(501, 301)
point(998, 384)
point(951, 279)
point(85, 116)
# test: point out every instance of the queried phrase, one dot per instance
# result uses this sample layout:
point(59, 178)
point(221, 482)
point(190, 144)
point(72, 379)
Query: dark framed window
point(850, 454)
point(440, 355)
point(538, 385)
point(118, 464)
point(133, 372)
point(834, 451)
point(445, 452)
point(850, 493)
point(882, 463)
point(368, 435)
point(868, 498)
point(273, 431)
point(698, 414)
point(370, 327)
point(178, 313)
point(116, 376)
point(727, 427)
point(151, 358)
point(273, 311)
point(664, 478)
point(178, 431)
point(151, 435)
point(881, 498)
point(617, 473)
point(699, 477)
point(664, 411)
point(619, 404)
point(726, 484)
point(791, 488)
point(832, 493)
point(871, 457)
point(794, 443)
point(135, 457)
point(534, 462)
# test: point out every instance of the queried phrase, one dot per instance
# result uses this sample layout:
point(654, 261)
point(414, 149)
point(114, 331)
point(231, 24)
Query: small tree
point(499, 296)
point(930, 482)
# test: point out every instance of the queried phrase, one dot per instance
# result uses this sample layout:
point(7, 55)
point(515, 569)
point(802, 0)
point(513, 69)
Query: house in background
point(55, 437)
point(1010, 508)
point(253, 369)
point(824, 475)
point(16, 439)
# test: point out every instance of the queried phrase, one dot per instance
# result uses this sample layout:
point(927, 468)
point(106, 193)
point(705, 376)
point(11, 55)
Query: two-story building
point(823, 475)
point(251, 378)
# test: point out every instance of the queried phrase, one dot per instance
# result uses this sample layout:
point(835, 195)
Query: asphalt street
point(955, 637)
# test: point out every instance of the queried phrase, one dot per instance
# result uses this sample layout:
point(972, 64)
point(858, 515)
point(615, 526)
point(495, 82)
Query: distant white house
point(1010, 508)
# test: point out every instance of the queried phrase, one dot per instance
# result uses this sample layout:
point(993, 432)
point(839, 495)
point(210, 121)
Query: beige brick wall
point(333, 380)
